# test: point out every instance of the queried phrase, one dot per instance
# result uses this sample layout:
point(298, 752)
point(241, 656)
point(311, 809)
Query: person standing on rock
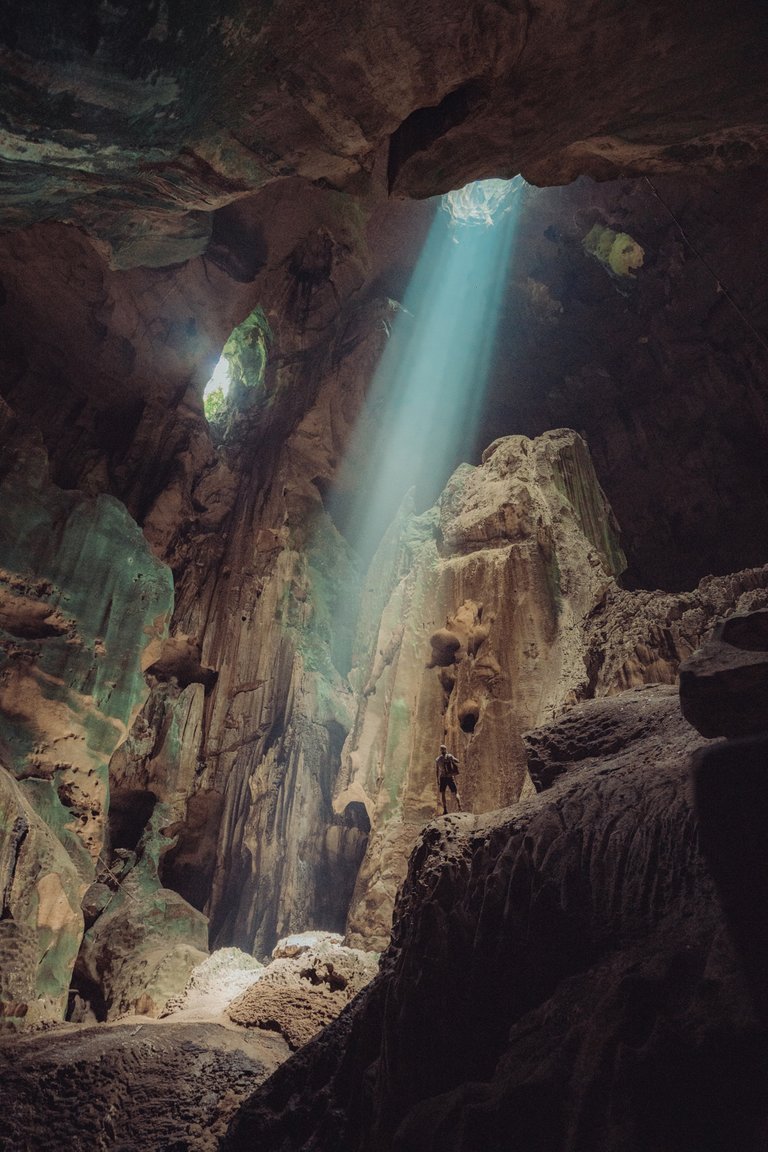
point(447, 769)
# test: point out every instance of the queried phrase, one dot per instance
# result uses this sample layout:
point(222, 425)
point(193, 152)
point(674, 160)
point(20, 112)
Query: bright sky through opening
point(220, 378)
point(421, 416)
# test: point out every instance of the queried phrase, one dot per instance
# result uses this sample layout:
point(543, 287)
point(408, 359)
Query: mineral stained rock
point(559, 977)
point(83, 604)
point(470, 632)
point(41, 924)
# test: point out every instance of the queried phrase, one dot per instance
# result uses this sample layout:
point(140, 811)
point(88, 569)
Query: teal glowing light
point(421, 415)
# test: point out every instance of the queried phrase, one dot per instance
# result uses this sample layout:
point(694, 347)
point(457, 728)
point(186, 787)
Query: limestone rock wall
point(41, 926)
point(83, 604)
point(480, 638)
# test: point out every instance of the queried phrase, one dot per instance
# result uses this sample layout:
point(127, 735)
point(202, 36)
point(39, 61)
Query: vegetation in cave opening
point(238, 380)
point(618, 252)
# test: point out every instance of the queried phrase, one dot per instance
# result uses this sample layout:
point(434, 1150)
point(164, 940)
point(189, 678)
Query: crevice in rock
point(129, 813)
point(426, 125)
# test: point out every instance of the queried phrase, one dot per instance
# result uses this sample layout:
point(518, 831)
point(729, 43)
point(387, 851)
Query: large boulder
point(312, 977)
point(724, 685)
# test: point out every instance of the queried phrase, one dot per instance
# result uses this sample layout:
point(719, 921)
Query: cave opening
point(129, 813)
point(237, 381)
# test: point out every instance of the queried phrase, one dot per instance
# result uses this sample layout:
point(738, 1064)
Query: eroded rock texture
point(137, 1084)
point(470, 633)
point(559, 977)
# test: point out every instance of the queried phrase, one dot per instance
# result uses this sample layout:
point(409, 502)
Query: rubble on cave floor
point(176, 1081)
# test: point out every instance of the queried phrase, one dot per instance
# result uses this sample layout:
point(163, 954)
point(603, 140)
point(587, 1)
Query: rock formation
point(471, 632)
point(138, 128)
point(178, 1080)
point(219, 721)
point(559, 974)
point(84, 604)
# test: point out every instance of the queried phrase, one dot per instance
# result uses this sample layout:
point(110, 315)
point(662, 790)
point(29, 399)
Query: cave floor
point(136, 1084)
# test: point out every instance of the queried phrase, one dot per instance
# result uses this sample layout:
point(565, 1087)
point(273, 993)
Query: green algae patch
point(616, 251)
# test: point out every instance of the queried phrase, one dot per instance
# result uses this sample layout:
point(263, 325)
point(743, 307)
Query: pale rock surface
point(471, 631)
point(215, 982)
point(308, 983)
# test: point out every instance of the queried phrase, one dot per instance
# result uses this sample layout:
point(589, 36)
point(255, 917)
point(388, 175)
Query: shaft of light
point(421, 416)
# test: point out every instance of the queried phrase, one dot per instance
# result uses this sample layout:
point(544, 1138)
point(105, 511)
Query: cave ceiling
point(137, 123)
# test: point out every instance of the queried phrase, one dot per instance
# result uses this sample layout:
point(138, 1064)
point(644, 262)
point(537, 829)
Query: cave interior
point(372, 381)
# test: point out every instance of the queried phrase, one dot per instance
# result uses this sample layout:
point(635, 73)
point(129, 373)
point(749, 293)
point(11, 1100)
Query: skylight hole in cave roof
point(241, 368)
point(481, 203)
point(220, 378)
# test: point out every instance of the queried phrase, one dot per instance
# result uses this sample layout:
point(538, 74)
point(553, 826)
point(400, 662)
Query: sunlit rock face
point(250, 768)
point(471, 632)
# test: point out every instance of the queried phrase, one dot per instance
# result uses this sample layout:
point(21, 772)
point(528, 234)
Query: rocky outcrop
point(635, 638)
point(159, 1084)
point(85, 603)
point(471, 632)
point(41, 924)
point(142, 941)
point(724, 686)
point(723, 692)
point(559, 975)
point(312, 977)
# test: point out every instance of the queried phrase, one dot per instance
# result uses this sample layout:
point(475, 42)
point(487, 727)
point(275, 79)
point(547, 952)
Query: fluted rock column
point(470, 634)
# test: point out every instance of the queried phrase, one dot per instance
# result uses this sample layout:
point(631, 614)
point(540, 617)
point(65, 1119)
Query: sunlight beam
point(421, 415)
